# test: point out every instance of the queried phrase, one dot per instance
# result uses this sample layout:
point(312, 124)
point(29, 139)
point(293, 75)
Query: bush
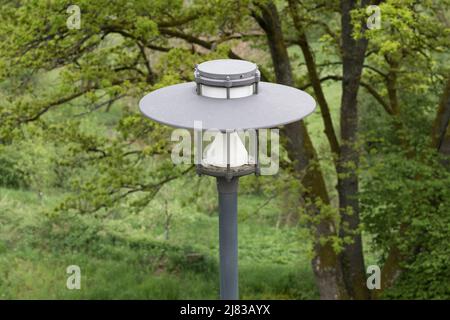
point(10, 175)
point(72, 233)
point(406, 204)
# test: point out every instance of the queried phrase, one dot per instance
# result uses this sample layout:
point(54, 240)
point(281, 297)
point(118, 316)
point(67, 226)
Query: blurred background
point(85, 180)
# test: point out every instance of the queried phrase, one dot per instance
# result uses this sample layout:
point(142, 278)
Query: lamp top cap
point(223, 69)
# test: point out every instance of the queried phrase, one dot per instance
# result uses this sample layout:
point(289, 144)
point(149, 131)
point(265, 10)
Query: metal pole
point(228, 237)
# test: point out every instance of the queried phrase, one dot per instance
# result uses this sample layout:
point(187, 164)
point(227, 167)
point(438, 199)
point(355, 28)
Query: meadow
point(87, 181)
point(168, 250)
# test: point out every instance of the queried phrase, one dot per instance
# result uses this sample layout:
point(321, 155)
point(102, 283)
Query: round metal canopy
point(274, 105)
point(271, 106)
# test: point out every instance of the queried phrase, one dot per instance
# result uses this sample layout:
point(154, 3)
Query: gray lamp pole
point(228, 239)
point(227, 96)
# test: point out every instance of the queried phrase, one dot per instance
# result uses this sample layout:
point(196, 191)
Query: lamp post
point(227, 96)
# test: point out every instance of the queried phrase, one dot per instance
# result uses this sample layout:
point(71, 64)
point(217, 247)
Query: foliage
point(98, 183)
point(406, 204)
point(405, 199)
point(124, 256)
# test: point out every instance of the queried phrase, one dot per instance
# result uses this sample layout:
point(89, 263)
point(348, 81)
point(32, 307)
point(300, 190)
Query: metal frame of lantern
point(228, 172)
point(204, 79)
point(249, 78)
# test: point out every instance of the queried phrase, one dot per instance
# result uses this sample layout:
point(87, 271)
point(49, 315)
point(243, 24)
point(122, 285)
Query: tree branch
point(54, 104)
point(384, 75)
point(314, 77)
point(181, 21)
point(108, 103)
point(66, 99)
point(150, 75)
point(187, 37)
point(363, 84)
point(125, 34)
point(377, 96)
point(441, 121)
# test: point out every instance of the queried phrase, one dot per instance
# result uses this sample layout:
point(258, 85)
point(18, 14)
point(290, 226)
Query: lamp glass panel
point(214, 92)
point(215, 153)
point(240, 92)
point(221, 92)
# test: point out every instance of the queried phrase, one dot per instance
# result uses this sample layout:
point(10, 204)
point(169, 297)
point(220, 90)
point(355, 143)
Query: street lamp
point(227, 96)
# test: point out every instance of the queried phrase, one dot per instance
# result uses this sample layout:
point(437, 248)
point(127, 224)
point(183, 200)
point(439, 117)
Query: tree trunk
point(441, 130)
point(353, 55)
point(313, 75)
point(325, 264)
point(444, 147)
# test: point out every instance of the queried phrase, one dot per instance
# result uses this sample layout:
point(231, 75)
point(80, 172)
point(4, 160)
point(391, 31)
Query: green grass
point(124, 254)
point(121, 258)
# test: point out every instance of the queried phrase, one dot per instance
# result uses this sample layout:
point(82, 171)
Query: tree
point(351, 48)
point(113, 57)
point(405, 64)
point(302, 153)
point(125, 49)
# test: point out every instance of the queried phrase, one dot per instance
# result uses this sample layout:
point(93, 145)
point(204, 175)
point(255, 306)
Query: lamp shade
point(269, 106)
